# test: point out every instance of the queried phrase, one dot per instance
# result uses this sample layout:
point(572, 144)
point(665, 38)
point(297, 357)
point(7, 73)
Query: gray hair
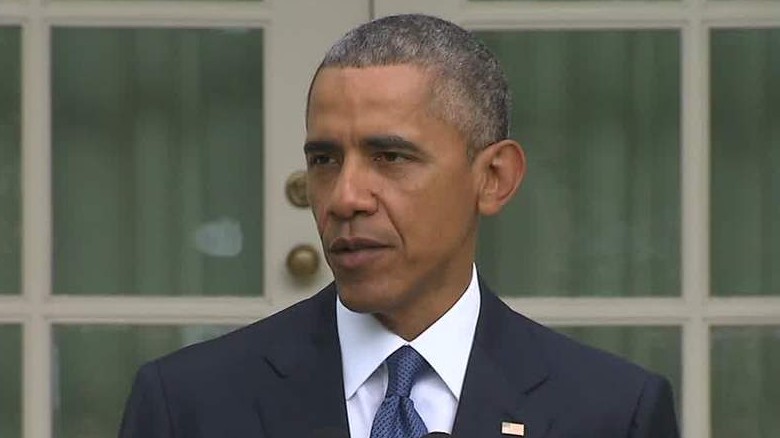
point(469, 87)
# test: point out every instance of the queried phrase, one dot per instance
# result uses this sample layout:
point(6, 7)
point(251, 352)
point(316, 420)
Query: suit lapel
point(310, 399)
point(505, 367)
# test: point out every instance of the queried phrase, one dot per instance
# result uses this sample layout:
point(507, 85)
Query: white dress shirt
point(446, 345)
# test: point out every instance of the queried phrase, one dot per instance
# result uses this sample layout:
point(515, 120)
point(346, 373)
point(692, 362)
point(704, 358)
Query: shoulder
point(582, 378)
point(215, 385)
point(233, 351)
point(613, 395)
point(565, 358)
point(583, 365)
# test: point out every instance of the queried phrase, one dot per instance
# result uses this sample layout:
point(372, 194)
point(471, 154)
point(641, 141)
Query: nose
point(352, 192)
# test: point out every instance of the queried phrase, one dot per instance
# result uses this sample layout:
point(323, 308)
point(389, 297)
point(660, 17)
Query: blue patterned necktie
point(396, 417)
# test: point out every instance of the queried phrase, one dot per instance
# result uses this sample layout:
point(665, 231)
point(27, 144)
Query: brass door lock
point(295, 189)
point(303, 261)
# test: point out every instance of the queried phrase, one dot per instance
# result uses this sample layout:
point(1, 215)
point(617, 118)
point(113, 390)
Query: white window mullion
point(167, 15)
point(695, 222)
point(36, 223)
point(12, 13)
point(13, 309)
point(159, 309)
point(750, 311)
point(695, 409)
point(36, 378)
point(581, 15)
point(741, 14)
point(602, 311)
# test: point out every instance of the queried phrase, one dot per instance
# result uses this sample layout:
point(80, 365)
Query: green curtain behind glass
point(745, 162)
point(158, 161)
point(10, 381)
point(10, 136)
point(94, 369)
point(745, 382)
point(598, 213)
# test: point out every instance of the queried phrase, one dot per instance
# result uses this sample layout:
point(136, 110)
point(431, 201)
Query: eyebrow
point(392, 142)
point(319, 146)
point(374, 142)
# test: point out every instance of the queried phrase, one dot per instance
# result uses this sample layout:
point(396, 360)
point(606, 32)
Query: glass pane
point(532, 1)
point(94, 366)
point(144, 1)
point(599, 211)
point(158, 161)
point(10, 381)
point(10, 159)
point(655, 348)
point(745, 121)
point(745, 382)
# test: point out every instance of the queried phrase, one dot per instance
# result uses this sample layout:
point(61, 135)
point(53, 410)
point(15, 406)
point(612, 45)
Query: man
point(407, 145)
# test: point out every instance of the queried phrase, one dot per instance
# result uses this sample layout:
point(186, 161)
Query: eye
point(319, 160)
point(391, 157)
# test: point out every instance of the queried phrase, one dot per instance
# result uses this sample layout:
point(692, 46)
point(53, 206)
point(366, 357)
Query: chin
point(364, 299)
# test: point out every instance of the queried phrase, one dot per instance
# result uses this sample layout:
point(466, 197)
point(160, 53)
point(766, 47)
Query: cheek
point(456, 206)
point(320, 219)
point(452, 194)
point(317, 210)
point(436, 213)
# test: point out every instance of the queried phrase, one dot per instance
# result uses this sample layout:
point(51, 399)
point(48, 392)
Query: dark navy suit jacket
point(282, 378)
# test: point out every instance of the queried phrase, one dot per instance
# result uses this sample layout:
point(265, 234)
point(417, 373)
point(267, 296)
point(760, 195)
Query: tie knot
point(403, 368)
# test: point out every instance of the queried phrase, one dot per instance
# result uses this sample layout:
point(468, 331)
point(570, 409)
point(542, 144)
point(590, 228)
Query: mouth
point(355, 252)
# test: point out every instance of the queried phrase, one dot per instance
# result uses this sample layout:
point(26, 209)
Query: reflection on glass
point(745, 120)
point(94, 369)
point(745, 382)
point(10, 381)
point(598, 213)
point(655, 348)
point(10, 138)
point(158, 163)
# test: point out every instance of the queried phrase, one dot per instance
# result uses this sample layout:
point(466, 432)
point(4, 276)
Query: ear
point(501, 167)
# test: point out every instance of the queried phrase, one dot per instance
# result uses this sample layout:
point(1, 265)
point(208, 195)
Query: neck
point(410, 323)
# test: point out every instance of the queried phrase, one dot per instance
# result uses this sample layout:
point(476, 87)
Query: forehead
point(384, 87)
point(348, 105)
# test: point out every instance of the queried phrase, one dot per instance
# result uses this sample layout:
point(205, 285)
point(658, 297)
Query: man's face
point(392, 191)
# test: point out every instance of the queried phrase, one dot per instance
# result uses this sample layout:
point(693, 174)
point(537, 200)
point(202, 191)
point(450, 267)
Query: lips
point(355, 252)
point(347, 244)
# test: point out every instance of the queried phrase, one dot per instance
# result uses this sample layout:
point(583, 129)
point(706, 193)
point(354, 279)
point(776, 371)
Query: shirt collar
point(366, 343)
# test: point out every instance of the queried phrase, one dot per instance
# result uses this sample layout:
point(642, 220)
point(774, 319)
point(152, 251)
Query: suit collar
point(309, 366)
point(505, 367)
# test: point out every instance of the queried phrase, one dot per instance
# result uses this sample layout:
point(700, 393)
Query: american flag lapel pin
point(514, 429)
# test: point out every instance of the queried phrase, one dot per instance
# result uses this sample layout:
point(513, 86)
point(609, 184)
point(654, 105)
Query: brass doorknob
point(303, 261)
point(295, 189)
